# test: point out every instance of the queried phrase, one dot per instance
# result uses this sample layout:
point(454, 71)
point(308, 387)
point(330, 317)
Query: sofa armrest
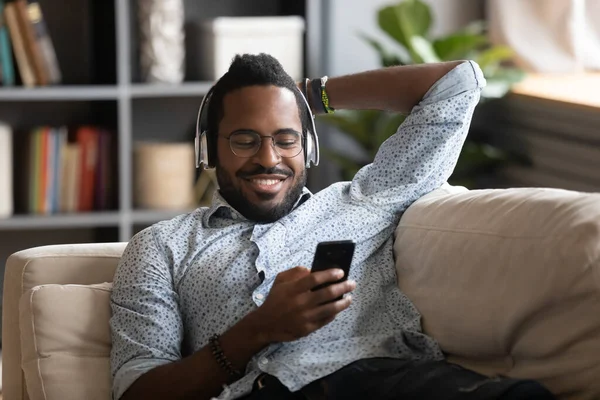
point(82, 264)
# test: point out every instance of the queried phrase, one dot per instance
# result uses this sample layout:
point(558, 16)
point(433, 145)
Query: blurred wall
point(347, 53)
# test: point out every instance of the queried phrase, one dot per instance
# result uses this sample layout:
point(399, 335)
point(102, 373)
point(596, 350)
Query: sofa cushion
point(508, 282)
point(65, 341)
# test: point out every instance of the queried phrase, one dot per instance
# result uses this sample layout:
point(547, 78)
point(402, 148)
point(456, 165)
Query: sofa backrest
point(508, 282)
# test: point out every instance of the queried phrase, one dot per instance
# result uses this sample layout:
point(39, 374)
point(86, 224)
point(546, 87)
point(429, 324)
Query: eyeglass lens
point(247, 144)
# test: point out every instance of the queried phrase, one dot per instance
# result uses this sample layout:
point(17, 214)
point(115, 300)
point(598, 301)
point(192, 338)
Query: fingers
point(292, 274)
point(331, 292)
point(326, 313)
point(318, 278)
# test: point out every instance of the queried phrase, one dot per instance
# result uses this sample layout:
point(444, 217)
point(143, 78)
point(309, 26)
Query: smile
point(266, 185)
point(266, 182)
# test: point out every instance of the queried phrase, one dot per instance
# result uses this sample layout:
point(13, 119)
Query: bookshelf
point(96, 45)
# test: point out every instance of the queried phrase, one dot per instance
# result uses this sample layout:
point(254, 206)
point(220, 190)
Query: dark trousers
point(391, 379)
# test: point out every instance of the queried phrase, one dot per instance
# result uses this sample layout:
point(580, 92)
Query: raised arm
point(421, 155)
point(396, 89)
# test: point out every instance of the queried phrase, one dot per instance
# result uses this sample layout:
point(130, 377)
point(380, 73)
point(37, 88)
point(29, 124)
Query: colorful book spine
point(44, 43)
point(102, 189)
point(49, 172)
point(88, 142)
point(8, 71)
point(34, 170)
point(43, 172)
point(59, 146)
point(31, 44)
point(18, 44)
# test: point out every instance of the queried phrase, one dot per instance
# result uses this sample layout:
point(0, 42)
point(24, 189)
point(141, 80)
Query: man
point(218, 302)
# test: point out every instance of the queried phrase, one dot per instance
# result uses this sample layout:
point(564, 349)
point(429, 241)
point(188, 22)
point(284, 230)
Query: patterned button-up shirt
point(180, 281)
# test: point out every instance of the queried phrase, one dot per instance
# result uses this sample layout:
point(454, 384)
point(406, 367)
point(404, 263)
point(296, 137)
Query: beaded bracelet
point(219, 355)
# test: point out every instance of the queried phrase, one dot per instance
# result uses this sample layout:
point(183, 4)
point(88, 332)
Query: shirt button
point(263, 361)
point(259, 296)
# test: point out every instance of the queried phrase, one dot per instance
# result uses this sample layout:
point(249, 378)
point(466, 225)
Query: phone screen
point(336, 254)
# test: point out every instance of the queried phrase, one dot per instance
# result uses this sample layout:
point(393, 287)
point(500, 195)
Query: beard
point(256, 212)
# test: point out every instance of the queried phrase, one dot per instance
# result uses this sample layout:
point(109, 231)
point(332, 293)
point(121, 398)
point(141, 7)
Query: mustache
point(264, 171)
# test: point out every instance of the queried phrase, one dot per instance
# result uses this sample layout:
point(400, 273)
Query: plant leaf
point(386, 59)
point(424, 49)
point(494, 56)
point(458, 46)
point(405, 20)
point(478, 27)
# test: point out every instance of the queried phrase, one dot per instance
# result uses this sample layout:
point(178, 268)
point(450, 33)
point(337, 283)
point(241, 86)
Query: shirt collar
point(220, 207)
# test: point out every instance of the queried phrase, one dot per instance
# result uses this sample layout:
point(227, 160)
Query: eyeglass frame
point(261, 138)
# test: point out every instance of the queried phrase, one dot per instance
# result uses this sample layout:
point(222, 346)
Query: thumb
point(292, 274)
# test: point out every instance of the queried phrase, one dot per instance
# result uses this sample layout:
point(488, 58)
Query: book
point(18, 44)
point(45, 47)
point(59, 147)
point(6, 60)
point(6, 171)
point(43, 173)
point(86, 137)
point(71, 178)
point(103, 189)
point(35, 157)
point(31, 43)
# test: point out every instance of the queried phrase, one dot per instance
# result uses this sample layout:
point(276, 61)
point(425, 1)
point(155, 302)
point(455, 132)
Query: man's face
point(263, 187)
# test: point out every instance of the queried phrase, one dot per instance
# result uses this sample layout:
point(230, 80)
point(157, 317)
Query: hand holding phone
point(336, 254)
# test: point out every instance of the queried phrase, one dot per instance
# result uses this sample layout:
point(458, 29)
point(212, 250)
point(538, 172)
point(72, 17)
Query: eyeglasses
point(247, 144)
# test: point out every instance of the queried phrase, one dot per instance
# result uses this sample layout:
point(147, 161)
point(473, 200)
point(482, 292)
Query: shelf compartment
point(170, 119)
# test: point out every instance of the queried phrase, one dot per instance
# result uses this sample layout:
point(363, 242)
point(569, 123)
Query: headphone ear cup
point(308, 149)
point(204, 158)
point(197, 150)
point(313, 145)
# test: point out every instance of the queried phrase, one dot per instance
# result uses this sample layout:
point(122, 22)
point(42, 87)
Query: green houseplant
point(409, 23)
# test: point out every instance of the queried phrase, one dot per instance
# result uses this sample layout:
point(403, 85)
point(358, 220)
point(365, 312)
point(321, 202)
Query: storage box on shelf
point(224, 37)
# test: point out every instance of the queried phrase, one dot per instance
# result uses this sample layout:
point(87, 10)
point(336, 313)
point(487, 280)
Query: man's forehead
point(251, 101)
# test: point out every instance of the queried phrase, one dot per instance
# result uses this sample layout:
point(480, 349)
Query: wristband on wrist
point(324, 97)
point(224, 363)
point(315, 97)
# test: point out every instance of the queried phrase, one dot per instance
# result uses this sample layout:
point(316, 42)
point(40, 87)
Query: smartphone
point(337, 254)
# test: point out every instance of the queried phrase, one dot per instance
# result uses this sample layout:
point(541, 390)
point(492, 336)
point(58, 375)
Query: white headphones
point(203, 158)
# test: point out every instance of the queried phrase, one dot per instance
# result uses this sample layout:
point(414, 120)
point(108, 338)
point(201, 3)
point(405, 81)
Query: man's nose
point(267, 155)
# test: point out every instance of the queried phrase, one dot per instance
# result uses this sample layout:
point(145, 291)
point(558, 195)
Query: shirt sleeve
point(146, 326)
point(423, 152)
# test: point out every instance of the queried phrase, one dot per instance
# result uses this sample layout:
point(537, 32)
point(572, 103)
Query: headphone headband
point(202, 138)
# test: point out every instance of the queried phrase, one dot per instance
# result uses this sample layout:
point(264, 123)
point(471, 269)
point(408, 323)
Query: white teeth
point(266, 181)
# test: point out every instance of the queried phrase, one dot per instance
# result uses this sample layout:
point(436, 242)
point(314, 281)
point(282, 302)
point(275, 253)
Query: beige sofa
point(508, 281)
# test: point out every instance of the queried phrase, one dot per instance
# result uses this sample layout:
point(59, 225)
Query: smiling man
point(267, 190)
point(219, 302)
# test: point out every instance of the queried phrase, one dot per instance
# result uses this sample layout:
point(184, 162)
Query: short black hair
point(249, 70)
